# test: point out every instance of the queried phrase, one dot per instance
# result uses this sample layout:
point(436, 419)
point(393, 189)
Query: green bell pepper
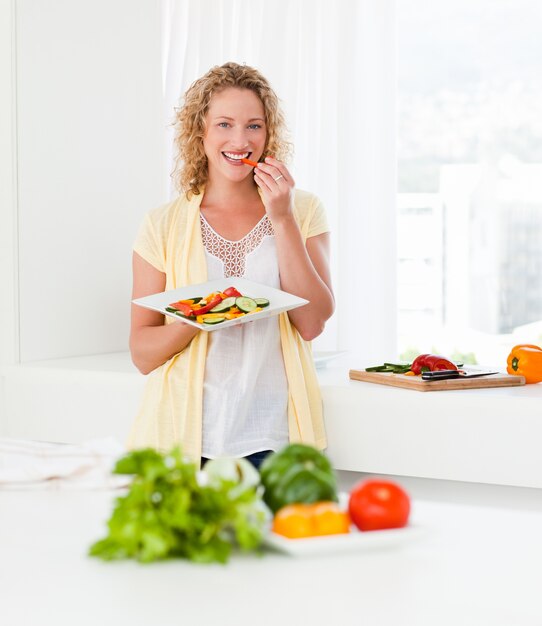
point(297, 473)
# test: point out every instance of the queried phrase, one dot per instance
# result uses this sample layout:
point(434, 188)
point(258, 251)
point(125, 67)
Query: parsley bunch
point(172, 510)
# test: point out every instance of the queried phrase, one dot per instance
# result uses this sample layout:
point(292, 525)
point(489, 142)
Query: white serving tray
point(279, 301)
point(353, 541)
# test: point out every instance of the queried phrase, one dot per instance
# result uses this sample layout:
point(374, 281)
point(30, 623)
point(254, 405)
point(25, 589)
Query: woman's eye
point(255, 126)
point(223, 124)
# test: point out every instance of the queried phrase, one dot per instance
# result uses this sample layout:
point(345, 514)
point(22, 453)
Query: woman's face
point(235, 129)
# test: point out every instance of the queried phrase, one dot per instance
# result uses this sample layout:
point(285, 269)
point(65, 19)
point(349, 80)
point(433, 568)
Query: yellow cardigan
point(171, 409)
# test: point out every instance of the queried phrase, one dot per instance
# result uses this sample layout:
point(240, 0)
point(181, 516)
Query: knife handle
point(441, 375)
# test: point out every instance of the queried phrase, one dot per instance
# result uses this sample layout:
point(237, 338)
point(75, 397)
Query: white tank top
point(245, 391)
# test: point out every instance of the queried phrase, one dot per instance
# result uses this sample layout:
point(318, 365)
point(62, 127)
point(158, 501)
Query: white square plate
point(279, 301)
point(353, 541)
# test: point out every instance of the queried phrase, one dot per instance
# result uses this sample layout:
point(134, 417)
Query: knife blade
point(448, 374)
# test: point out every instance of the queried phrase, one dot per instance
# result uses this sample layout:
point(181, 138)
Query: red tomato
point(378, 504)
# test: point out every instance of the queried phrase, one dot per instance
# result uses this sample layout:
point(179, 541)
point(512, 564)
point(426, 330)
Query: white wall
point(90, 160)
point(89, 164)
point(9, 337)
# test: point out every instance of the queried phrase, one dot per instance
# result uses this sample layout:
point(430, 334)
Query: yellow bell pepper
point(206, 316)
point(526, 360)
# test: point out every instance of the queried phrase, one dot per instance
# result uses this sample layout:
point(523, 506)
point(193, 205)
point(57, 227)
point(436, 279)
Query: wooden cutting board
point(416, 382)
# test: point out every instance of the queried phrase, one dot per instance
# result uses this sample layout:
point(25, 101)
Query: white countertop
point(476, 566)
point(480, 435)
point(488, 435)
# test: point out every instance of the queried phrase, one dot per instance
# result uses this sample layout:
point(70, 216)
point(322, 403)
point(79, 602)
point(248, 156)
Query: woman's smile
point(235, 157)
point(235, 129)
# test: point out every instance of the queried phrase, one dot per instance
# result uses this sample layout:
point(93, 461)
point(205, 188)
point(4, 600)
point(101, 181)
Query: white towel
point(26, 464)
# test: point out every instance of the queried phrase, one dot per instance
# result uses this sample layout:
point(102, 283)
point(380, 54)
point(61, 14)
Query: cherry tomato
point(378, 504)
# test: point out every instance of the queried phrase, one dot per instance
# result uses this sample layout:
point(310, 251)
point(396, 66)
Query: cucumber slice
point(245, 304)
point(214, 320)
point(261, 302)
point(224, 306)
point(170, 309)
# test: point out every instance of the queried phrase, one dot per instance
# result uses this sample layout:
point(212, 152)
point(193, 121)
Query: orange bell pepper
point(311, 520)
point(526, 360)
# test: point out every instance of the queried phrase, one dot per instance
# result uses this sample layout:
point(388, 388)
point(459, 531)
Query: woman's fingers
point(276, 170)
point(263, 180)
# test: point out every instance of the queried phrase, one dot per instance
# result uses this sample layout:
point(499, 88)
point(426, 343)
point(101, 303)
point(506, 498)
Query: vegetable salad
point(217, 307)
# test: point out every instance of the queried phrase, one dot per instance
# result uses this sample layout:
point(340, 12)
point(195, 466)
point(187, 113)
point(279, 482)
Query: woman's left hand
point(277, 186)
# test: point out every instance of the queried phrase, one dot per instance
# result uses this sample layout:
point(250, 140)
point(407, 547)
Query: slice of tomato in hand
point(379, 504)
point(231, 292)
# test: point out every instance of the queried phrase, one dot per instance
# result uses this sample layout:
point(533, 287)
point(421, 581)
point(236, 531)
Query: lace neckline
point(250, 232)
point(233, 253)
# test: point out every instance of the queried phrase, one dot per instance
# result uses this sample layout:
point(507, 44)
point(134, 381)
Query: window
point(469, 177)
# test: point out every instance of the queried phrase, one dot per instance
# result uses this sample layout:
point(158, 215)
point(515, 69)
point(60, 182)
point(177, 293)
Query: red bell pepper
point(210, 305)
point(231, 292)
point(431, 362)
point(437, 363)
point(183, 308)
point(418, 363)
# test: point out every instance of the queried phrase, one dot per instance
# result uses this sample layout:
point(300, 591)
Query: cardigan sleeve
point(149, 242)
point(318, 223)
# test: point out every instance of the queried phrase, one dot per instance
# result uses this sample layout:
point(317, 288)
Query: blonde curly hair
point(190, 171)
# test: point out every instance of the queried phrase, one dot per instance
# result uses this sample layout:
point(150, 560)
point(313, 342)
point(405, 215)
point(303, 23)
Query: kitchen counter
point(476, 566)
point(487, 436)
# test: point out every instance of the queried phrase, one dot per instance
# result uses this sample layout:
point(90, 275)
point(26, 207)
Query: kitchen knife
point(447, 374)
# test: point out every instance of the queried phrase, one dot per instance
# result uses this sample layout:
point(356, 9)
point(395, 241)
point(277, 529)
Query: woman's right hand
point(152, 342)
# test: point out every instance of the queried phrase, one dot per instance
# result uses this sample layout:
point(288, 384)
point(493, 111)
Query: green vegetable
point(239, 472)
point(172, 510)
point(214, 320)
point(224, 306)
point(261, 302)
point(395, 368)
point(297, 473)
point(170, 309)
point(245, 304)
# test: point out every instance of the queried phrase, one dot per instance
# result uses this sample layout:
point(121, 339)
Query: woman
point(250, 389)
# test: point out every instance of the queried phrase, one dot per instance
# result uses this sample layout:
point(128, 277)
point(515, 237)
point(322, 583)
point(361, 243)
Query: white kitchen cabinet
point(487, 436)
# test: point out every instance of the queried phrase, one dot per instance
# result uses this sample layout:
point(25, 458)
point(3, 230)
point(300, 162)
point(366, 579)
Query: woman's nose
point(240, 138)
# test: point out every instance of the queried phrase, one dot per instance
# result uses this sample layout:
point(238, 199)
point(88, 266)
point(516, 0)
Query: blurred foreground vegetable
point(172, 510)
point(311, 520)
point(297, 474)
point(378, 504)
point(526, 360)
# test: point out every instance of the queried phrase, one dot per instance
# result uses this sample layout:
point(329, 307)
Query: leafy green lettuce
point(173, 510)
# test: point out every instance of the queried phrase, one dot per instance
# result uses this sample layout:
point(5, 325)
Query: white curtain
point(332, 65)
